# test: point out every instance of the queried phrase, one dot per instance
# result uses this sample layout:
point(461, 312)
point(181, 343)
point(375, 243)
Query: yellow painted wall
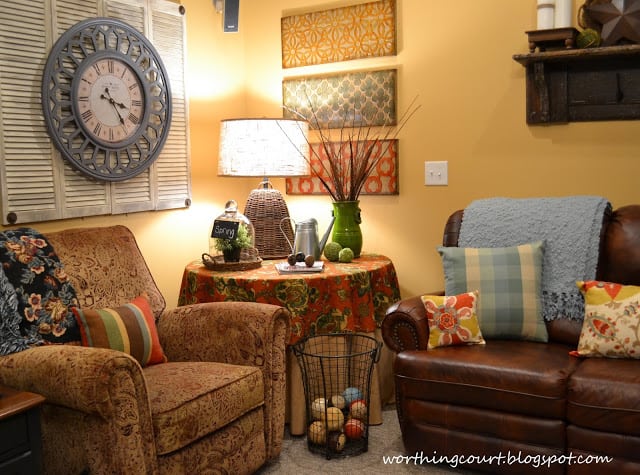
point(457, 57)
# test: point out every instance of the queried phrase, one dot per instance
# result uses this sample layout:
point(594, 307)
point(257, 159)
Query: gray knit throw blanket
point(570, 228)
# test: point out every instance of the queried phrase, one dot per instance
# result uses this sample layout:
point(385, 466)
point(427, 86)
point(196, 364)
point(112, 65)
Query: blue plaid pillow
point(509, 280)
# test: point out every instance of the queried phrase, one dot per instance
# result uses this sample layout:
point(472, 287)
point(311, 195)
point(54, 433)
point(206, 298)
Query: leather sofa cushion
point(519, 377)
point(190, 400)
point(477, 450)
point(496, 425)
point(621, 448)
point(604, 394)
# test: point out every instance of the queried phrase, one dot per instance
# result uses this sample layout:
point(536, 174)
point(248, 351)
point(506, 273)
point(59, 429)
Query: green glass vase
point(346, 227)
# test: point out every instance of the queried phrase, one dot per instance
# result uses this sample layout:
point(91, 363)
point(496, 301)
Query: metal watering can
point(305, 238)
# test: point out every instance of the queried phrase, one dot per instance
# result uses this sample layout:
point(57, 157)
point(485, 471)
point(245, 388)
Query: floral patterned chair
point(216, 406)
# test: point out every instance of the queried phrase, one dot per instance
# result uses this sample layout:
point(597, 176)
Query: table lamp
point(265, 148)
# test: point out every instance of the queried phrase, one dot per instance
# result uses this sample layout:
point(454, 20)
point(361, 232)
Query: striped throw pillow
point(130, 328)
point(509, 280)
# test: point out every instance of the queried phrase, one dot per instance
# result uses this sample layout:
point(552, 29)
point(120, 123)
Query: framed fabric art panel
point(357, 99)
point(339, 34)
point(382, 181)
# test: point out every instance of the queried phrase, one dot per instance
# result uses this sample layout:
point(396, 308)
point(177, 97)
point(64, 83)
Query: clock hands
point(113, 103)
point(111, 100)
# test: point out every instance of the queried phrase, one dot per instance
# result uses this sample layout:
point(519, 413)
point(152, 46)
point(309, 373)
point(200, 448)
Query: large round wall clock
point(106, 99)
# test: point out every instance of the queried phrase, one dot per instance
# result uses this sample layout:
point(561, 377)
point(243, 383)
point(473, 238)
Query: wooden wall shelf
point(592, 84)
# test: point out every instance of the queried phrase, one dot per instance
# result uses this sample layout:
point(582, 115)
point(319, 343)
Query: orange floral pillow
point(452, 319)
point(611, 321)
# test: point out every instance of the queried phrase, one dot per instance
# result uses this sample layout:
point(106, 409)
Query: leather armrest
point(405, 325)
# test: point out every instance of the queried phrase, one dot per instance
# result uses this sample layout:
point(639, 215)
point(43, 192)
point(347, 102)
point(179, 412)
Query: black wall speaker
point(231, 11)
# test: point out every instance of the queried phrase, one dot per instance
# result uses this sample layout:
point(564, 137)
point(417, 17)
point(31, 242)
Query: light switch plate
point(436, 173)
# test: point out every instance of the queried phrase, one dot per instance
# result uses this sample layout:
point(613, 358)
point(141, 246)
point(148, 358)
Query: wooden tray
point(552, 38)
point(218, 263)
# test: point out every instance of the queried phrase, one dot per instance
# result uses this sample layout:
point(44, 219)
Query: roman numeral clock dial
point(109, 100)
point(106, 99)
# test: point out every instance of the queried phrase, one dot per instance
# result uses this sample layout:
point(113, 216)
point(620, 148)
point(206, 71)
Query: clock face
point(106, 99)
point(109, 99)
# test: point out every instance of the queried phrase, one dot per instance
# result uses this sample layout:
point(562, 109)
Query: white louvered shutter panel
point(81, 196)
point(173, 166)
point(134, 194)
point(36, 183)
point(28, 181)
point(168, 180)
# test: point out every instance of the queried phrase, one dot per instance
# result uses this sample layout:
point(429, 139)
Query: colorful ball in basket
point(337, 441)
point(354, 429)
point(351, 394)
point(317, 433)
point(358, 410)
point(334, 418)
point(338, 401)
point(317, 408)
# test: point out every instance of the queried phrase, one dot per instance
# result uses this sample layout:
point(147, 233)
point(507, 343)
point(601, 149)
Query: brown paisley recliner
point(216, 406)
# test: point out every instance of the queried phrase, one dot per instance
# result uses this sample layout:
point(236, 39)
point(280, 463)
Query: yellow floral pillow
point(452, 319)
point(611, 325)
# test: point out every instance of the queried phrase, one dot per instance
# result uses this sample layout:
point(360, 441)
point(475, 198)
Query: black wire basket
point(336, 373)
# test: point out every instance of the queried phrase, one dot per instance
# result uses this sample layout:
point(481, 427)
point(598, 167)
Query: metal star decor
point(620, 20)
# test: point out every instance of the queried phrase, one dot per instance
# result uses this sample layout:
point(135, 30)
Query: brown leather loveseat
point(526, 407)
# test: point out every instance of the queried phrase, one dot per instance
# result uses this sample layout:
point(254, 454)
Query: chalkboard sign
point(224, 229)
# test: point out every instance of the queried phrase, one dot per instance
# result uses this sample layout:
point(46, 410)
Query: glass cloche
point(232, 236)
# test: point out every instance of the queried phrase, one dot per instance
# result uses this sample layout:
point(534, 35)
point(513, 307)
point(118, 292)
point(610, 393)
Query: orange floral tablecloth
point(343, 297)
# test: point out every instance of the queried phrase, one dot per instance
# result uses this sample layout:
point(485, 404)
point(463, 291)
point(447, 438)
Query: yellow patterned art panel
point(340, 34)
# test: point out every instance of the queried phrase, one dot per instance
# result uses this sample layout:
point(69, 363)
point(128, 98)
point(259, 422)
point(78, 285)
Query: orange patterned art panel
point(340, 34)
point(382, 181)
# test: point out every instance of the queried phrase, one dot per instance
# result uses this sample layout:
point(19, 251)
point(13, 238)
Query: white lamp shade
point(263, 147)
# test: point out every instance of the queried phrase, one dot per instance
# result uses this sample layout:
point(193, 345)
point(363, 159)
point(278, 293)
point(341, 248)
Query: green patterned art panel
point(366, 98)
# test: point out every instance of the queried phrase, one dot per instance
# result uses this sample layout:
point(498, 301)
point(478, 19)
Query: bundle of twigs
point(350, 157)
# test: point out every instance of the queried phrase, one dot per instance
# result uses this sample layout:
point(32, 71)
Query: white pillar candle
point(563, 14)
point(546, 14)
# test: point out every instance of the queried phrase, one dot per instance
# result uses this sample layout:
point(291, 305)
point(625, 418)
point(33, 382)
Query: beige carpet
point(385, 440)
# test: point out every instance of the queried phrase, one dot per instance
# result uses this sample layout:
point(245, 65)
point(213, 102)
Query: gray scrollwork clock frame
point(106, 99)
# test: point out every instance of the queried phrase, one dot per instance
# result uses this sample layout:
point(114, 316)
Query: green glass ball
point(588, 38)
